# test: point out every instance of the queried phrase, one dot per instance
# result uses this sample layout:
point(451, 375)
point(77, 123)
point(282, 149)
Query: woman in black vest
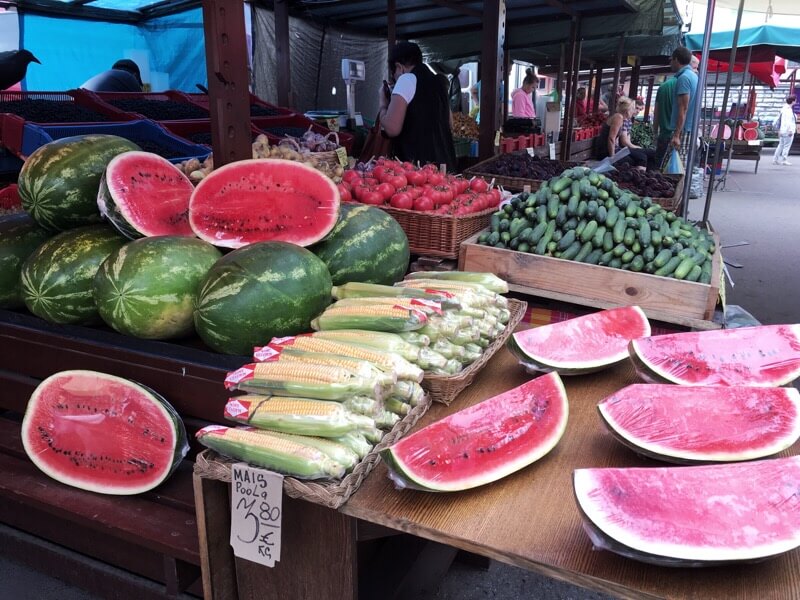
point(417, 115)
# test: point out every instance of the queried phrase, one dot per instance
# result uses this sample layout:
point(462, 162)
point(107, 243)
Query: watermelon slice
point(102, 433)
point(763, 356)
point(580, 345)
point(686, 424)
point(693, 516)
point(264, 200)
point(485, 442)
point(143, 194)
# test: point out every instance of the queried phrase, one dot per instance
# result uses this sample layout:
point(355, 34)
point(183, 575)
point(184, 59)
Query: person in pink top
point(521, 101)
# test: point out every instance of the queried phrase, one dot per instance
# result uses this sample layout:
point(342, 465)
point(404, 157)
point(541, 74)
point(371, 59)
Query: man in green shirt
point(662, 115)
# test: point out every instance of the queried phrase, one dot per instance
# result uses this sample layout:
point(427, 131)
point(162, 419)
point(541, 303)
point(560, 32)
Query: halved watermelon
point(768, 355)
point(143, 194)
point(686, 424)
point(580, 345)
point(264, 200)
point(693, 516)
point(485, 442)
point(102, 433)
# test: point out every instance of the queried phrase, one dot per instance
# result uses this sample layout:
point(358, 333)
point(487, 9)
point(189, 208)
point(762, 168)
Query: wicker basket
point(332, 494)
point(438, 235)
point(445, 388)
point(513, 184)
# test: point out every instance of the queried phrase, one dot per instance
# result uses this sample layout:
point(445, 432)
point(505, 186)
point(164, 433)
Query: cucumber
point(705, 272)
point(608, 241)
point(517, 225)
point(627, 257)
point(619, 250)
point(571, 223)
point(602, 213)
point(552, 207)
point(514, 244)
point(541, 214)
point(524, 247)
point(593, 257)
point(584, 252)
point(537, 233)
point(637, 264)
point(629, 237)
point(694, 274)
point(557, 235)
point(591, 209)
point(649, 254)
point(561, 184)
point(494, 221)
point(571, 252)
point(505, 224)
point(505, 237)
point(541, 245)
point(612, 216)
point(572, 206)
point(500, 246)
point(567, 239)
point(484, 237)
point(676, 248)
point(615, 263)
point(645, 234)
point(619, 231)
point(582, 206)
point(530, 213)
point(685, 267)
point(581, 226)
point(662, 258)
point(564, 194)
point(597, 240)
point(561, 216)
point(606, 257)
point(525, 235)
point(494, 237)
point(551, 247)
point(655, 238)
point(637, 247)
point(588, 232)
point(508, 209)
point(602, 195)
point(669, 268)
point(630, 210)
point(649, 268)
point(686, 253)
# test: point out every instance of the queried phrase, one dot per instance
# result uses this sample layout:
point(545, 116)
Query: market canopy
point(784, 41)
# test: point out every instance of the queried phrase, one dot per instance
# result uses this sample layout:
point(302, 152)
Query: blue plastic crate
point(145, 131)
point(9, 164)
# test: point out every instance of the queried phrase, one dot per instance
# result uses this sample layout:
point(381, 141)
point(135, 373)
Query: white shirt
point(788, 121)
point(406, 87)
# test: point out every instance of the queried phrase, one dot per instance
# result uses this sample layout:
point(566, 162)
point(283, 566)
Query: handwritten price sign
point(256, 509)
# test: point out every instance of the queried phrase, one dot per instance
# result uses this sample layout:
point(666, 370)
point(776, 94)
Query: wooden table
point(528, 519)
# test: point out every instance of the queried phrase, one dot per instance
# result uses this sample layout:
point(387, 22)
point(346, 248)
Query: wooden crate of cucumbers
point(582, 239)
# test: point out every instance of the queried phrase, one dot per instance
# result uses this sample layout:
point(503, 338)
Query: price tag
point(530, 150)
point(497, 138)
point(341, 154)
point(256, 510)
point(526, 189)
point(552, 151)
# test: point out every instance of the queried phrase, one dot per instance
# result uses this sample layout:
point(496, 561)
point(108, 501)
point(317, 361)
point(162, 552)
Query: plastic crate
point(9, 164)
point(203, 101)
point(104, 100)
point(301, 123)
point(187, 129)
point(142, 130)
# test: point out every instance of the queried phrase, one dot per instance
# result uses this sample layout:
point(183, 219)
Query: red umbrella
point(764, 65)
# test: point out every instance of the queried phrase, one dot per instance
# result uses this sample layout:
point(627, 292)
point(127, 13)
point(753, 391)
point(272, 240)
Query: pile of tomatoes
point(402, 185)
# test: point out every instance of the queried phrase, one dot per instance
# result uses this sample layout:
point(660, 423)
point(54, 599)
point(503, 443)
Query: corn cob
point(503, 315)
point(300, 416)
point(486, 329)
point(262, 449)
point(456, 336)
point(416, 338)
point(373, 436)
point(472, 294)
point(488, 280)
point(448, 349)
point(396, 406)
point(321, 382)
point(370, 317)
point(386, 361)
point(356, 442)
point(359, 367)
point(335, 450)
point(451, 368)
point(356, 289)
point(472, 354)
point(385, 419)
point(361, 405)
point(379, 340)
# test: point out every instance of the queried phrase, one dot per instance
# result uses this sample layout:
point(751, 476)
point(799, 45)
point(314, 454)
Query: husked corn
point(301, 372)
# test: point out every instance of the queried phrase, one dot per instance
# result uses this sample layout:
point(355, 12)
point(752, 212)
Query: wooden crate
point(670, 300)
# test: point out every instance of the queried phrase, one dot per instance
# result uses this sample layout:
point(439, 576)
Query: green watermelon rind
point(653, 373)
point(172, 416)
point(406, 476)
point(539, 363)
point(110, 212)
point(20, 236)
point(676, 456)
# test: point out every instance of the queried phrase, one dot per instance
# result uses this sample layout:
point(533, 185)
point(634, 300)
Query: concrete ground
point(761, 209)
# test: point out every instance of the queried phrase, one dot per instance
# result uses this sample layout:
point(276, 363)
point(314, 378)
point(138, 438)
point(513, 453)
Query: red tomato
point(397, 181)
point(435, 178)
point(423, 203)
point(371, 181)
point(463, 198)
point(407, 166)
point(361, 189)
point(386, 190)
point(402, 200)
point(416, 177)
point(378, 172)
point(461, 185)
point(496, 195)
point(478, 185)
point(445, 194)
point(371, 197)
point(415, 192)
point(351, 176)
point(344, 192)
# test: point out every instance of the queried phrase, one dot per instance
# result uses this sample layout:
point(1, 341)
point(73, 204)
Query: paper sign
point(552, 151)
point(497, 138)
point(526, 189)
point(341, 154)
point(530, 150)
point(256, 510)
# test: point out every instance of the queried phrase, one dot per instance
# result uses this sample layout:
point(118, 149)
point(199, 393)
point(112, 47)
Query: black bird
point(13, 66)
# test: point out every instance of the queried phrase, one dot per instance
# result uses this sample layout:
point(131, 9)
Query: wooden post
point(598, 84)
point(562, 65)
point(228, 85)
point(633, 88)
point(589, 82)
point(391, 28)
point(612, 99)
point(494, 33)
point(572, 84)
point(507, 87)
point(650, 85)
point(284, 72)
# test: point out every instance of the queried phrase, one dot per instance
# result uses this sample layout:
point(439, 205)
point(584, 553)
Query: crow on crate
point(13, 66)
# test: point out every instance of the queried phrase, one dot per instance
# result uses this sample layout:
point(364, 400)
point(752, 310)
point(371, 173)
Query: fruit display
point(50, 111)
point(592, 119)
point(525, 166)
point(102, 433)
point(143, 194)
point(9, 199)
point(401, 185)
point(148, 287)
point(19, 237)
point(58, 183)
point(581, 345)
point(763, 356)
point(159, 110)
point(691, 424)
point(585, 217)
point(693, 516)
point(260, 291)
point(366, 245)
point(643, 183)
point(484, 442)
point(264, 200)
point(465, 126)
point(56, 279)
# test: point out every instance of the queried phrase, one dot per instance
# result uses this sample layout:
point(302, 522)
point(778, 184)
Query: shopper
point(682, 100)
point(662, 118)
point(417, 113)
point(615, 135)
point(521, 100)
point(787, 127)
point(123, 76)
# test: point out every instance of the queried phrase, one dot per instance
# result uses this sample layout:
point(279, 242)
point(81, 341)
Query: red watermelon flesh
point(693, 516)
point(264, 200)
point(583, 344)
point(485, 442)
point(102, 433)
point(768, 355)
point(143, 194)
point(703, 423)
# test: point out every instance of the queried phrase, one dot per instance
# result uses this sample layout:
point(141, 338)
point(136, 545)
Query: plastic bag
point(607, 164)
point(696, 188)
point(674, 165)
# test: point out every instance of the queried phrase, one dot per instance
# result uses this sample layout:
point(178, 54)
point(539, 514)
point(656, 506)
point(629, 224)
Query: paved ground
point(761, 209)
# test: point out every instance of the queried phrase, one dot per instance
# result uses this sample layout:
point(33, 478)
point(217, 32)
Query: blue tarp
point(785, 40)
point(73, 50)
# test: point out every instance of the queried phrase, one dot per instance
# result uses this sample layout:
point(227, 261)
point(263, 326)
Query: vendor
point(584, 105)
point(123, 76)
point(416, 113)
point(521, 99)
point(615, 135)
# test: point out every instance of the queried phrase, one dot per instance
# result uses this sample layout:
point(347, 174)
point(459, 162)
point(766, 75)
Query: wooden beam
point(612, 98)
point(572, 86)
point(633, 88)
point(53, 7)
point(283, 74)
point(391, 18)
point(464, 10)
point(598, 84)
point(650, 84)
point(494, 33)
point(562, 7)
point(228, 85)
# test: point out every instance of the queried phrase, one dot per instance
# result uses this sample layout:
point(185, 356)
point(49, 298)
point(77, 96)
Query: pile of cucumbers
point(583, 216)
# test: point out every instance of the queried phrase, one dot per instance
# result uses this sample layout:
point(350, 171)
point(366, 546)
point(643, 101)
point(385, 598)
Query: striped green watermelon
point(148, 287)
point(58, 184)
point(57, 278)
point(367, 245)
point(261, 291)
point(19, 237)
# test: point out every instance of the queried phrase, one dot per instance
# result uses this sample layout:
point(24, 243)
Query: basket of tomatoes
point(437, 211)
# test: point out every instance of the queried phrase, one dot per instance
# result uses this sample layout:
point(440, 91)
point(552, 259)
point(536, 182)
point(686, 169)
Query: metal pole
point(745, 73)
point(720, 129)
point(706, 128)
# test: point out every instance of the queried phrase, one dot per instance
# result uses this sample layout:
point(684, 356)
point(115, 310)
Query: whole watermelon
point(58, 183)
point(148, 288)
point(57, 278)
point(19, 237)
point(366, 245)
point(258, 292)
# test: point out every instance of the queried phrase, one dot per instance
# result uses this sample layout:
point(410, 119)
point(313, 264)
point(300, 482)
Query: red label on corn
point(267, 353)
point(439, 293)
point(239, 375)
point(432, 304)
point(283, 341)
point(236, 407)
point(215, 429)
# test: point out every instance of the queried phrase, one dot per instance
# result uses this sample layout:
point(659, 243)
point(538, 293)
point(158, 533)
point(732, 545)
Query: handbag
point(376, 143)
